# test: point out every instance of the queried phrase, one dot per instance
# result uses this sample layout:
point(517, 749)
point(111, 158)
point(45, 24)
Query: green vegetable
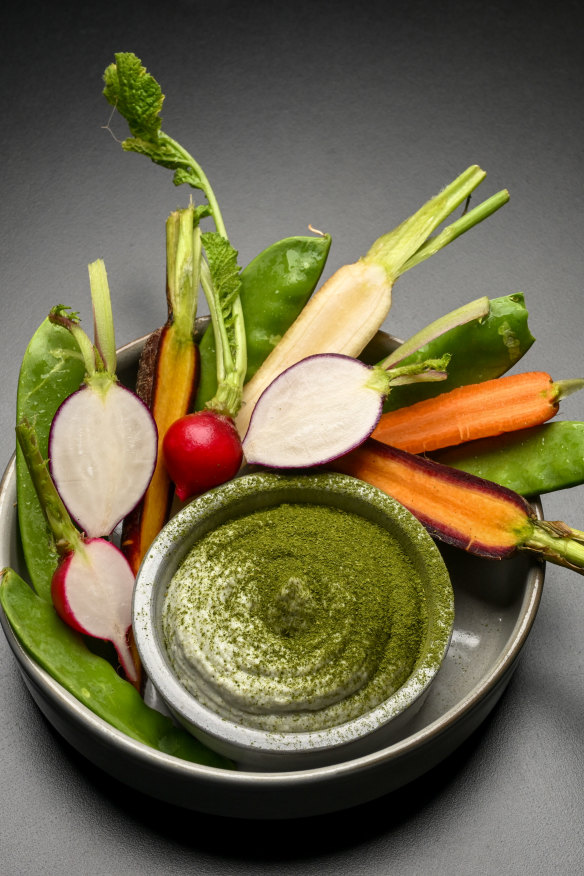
point(275, 286)
point(531, 461)
point(221, 282)
point(481, 350)
point(138, 97)
point(52, 368)
point(91, 679)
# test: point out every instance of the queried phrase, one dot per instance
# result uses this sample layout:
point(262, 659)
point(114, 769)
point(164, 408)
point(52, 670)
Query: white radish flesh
point(361, 298)
point(102, 450)
point(314, 412)
point(92, 592)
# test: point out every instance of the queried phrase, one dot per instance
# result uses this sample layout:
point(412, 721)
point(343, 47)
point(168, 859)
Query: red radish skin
point(92, 592)
point(201, 451)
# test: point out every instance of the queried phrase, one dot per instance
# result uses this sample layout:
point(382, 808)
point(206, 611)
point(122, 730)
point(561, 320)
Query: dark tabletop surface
point(346, 116)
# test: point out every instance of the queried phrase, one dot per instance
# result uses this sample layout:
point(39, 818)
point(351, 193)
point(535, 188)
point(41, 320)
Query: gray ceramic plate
point(496, 604)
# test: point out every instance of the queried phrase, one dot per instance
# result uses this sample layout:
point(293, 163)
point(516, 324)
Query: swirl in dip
point(296, 618)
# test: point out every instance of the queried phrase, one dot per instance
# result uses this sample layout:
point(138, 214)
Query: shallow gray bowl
point(496, 606)
point(271, 750)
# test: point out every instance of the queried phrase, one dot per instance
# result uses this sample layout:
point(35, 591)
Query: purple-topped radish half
point(103, 441)
point(322, 407)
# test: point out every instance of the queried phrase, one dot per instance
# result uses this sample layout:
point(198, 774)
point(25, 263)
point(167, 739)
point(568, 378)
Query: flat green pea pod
point(530, 462)
point(275, 286)
point(480, 349)
point(91, 679)
point(52, 368)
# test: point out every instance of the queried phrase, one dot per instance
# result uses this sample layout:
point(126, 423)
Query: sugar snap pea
point(51, 369)
point(275, 286)
point(480, 350)
point(530, 462)
point(90, 678)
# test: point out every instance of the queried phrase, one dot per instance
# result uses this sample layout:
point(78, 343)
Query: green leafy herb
point(137, 96)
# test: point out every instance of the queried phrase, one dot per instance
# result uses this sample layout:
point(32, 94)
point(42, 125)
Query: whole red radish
point(201, 451)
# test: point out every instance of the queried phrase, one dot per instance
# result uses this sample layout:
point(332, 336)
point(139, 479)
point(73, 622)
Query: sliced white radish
point(92, 592)
point(315, 411)
point(103, 445)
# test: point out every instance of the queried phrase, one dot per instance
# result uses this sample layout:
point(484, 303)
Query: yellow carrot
point(167, 380)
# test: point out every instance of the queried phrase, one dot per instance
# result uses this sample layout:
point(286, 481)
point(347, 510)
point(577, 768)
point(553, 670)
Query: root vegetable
point(201, 451)
point(468, 512)
point(321, 408)
point(92, 585)
point(167, 376)
point(102, 442)
point(480, 410)
point(344, 314)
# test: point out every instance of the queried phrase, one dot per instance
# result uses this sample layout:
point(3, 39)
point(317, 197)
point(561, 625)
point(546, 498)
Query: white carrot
point(347, 311)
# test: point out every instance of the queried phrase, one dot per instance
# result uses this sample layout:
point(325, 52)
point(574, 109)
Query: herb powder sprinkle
point(295, 618)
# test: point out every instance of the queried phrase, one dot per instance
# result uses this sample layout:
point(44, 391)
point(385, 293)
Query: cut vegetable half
point(102, 450)
point(315, 411)
point(92, 592)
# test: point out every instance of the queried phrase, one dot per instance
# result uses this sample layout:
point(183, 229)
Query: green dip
point(295, 618)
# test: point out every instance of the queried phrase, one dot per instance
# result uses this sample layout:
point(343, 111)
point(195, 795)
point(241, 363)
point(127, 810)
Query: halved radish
point(92, 585)
point(321, 408)
point(103, 441)
point(102, 451)
point(92, 592)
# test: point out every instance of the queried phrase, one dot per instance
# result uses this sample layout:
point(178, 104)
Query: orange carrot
point(167, 379)
point(463, 510)
point(479, 410)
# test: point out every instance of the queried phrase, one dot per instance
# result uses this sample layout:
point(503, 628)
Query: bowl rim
point(176, 539)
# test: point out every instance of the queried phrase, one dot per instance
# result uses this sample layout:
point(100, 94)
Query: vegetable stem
point(394, 249)
point(203, 182)
point(559, 543)
point(67, 537)
point(102, 315)
point(451, 232)
point(221, 282)
point(183, 260)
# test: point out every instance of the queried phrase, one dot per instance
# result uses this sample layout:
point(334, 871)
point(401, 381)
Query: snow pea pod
point(51, 369)
point(530, 462)
point(480, 350)
point(275, 286)
point(90, 678)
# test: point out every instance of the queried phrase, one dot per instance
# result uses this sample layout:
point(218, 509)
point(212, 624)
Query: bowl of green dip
point(293, 621)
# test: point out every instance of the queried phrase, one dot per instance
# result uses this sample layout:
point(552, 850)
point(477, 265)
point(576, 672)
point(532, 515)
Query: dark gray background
point(347, 116)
